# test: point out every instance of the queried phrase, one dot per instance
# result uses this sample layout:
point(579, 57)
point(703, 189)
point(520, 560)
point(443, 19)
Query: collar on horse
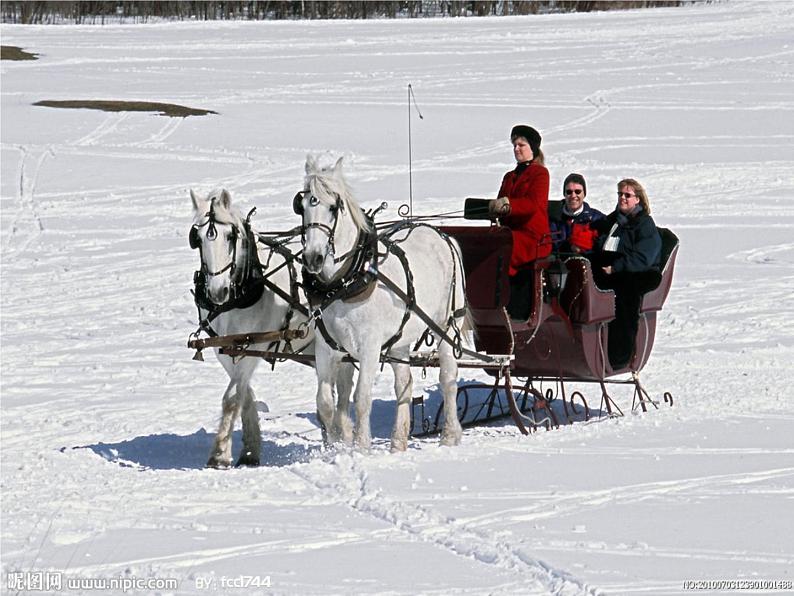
point(356, 276)
point(359, 265)
point(355, 279)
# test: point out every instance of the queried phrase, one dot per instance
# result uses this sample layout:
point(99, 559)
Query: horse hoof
point(399, 446)
point(450, 440)
point(217, 463)
point(247, 460)
point(362, 447)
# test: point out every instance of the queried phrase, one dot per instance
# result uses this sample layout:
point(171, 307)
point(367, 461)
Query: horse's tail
point(468, 324)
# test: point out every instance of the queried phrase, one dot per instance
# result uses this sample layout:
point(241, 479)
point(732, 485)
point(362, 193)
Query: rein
point(293, 298)
point(409, 297)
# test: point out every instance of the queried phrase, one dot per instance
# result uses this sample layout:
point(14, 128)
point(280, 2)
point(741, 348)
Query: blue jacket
point(639, 244)
point(562, 224)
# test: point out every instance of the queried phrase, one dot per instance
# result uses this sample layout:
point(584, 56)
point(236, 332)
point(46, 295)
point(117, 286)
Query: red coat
point(528, 191)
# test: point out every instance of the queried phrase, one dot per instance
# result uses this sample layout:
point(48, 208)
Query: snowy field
point(107, 422)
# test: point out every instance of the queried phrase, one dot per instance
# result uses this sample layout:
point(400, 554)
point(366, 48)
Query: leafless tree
point(100, 12)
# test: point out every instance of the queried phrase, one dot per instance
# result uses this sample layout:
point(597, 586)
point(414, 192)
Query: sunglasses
point(625, 195)
point(572, 191)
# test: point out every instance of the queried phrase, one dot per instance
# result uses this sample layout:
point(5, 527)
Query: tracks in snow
point(112, 123)
point(27, 220)
point(345, 481)
point(108, 126)
point(166, 131)
point(632, 493)
point(763, 255)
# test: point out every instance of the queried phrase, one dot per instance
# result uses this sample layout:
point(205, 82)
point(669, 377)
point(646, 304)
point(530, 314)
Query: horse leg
point(238, 395)
point(326, 366)
point(403, 388)
point(221, 453)
point(343, 424)
point(252, 435)
point(368, 368)
point(448, 379)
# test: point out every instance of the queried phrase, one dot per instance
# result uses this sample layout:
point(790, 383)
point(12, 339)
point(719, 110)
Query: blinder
point(245, 281)
point(297, 202)
point(195, 242)
point(193, 238)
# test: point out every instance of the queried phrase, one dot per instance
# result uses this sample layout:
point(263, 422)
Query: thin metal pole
point(410, 151)
point(410, 165)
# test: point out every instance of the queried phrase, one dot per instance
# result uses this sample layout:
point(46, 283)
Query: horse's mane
point(328, 183)
point(223, 215)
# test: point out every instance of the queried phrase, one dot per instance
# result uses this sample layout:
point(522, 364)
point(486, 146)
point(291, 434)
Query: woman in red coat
point(523, 207)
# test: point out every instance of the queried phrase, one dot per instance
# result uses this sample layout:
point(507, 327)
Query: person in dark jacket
point(627, 260)
point(570, 222)
point(522, 205)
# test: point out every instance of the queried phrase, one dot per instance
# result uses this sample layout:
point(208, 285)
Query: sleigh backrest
point(654, 300)
point(486, 258)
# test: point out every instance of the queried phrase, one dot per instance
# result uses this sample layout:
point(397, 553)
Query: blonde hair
point(639, 191)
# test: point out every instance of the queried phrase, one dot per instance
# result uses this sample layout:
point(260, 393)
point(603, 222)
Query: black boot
point(521, 286)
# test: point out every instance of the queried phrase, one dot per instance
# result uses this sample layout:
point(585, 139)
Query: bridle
point(212, 235)
point(337, 208)
point(247, 281)
point(242, 279)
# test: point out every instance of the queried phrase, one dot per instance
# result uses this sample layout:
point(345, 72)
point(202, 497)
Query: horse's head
point(331, 217)
point(222, 237)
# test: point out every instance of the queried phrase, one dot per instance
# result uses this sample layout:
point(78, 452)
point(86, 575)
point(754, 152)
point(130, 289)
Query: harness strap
point(293, 298)
point(410, 302)
point(289, 299)
point(355, 278)
point(358, 277)
point(320, 325)
point(408, 298)
point(361, 275)
point(434, 327)
point(253, 285)
point(248, 295)
point(360, 259)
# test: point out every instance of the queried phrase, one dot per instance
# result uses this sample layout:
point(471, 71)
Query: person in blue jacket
point(570, 219)
point(627, 260)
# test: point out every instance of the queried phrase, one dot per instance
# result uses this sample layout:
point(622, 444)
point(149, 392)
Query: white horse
point(236, 295)
point(338, 243)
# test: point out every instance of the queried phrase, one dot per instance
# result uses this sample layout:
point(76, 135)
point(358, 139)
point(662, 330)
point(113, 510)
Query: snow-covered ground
point(107, 422)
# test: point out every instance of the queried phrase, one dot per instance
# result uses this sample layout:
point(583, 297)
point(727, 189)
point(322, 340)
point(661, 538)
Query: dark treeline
point(142, 11)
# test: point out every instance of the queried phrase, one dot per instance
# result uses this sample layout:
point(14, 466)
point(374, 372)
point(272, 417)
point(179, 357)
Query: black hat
point(576, 179)
point(530, 134)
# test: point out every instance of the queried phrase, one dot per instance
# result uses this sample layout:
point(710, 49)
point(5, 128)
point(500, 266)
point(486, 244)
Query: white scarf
point(612, 242)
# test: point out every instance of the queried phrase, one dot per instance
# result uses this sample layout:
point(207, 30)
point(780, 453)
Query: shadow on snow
point(190, 452)
point(186, 452)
